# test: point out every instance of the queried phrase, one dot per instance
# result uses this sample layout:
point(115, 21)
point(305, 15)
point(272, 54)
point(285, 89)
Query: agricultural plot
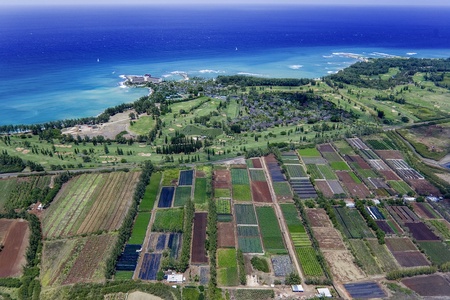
point(170, 177)
point(424, 210)
point(308, 260)
point(303, 188)
point(257, 175)
point(403, 169)
point(245, 214)
point(182, 195)
point(318, 217)
point(90, 203)
point(198, 250)
point(437, 252)
point(270, 230)
point(241, 192)
point(358, 162)
point(326, 172)
point(186, 177)
point(375, 213)
point(174, 244)
point(14, 237)
point(411, 259)
point(128, 259)
point(355, 189)
point(261, 192)
point(200, 191)
point(379, 145)
point(274, 169)
point(342, 266)
point(222, 193)
point(328, 238)
point(323, 187)
point(423, 187)
point(309, 152)
point(353, 225)
point(225, 235)
point(239, 176)
point(383, 225)
point(169, 220)
point(331, 157)
point(295, 171)
point(140, 228)
point(151, 193)
point(282, 265)
point(222, 179)
point(421, 232)
point(256, 163)
point(365, 258)
point(429, 286)
point(339, 166)
point(400, 187)
point(282, 190)
point(357, 143)
point(166, 196)
point(402, 214)
point(223, 206)
point(297, 231)
point(227, 273)
point(390, 154)
point(150, 266)
point(442, 227)
point(382, 255)
point(314, 172)
point(91, 260)
point(365, 290)
point(250, 244)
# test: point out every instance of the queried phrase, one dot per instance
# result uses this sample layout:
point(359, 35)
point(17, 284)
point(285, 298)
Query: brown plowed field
point(421, 210)
point(342, 266)
point(198, 251)
point(326, 148)
point(222, 179)
point(225, 235)
point(389, 154)
point(88, 261)
point(355, 189)
point(256, 163)
point(324, 188)
point(318, 217)
point(361, 162)
point(411, 259)
point(421, 232)
point(403, 213)
point(423, 187)
point(270, 158)
point(400, 244)
point(4, 228)
point(261, 192)
point(389, 175)
point(431, 285)
point(328, 238)
point(15, 241)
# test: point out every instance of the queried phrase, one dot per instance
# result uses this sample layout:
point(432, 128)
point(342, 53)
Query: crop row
point(308, 260)
point(270, 230)
point(239, 176)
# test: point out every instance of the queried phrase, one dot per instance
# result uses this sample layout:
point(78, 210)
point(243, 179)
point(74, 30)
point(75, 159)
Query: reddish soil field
point(384, 226)
point(326, 148)
point(270, 158)
point(359, 160)
point(200, 174)
point(4, 228)
point(421, 232)
point(225, 235)
point(324, 188)
point(403, 214)
point(222, 179)
point(328, 238)
point(318, 217)
point(389, 154)
point(423, 187)
point(355, 189)
point(198, 251)
point(256, 163)
point(411, 259)
point(400, 244)
point(431, 285)
point(15, 241)
point(389, 175)
point(421, 210)
point(261, 192)
point(88, 260)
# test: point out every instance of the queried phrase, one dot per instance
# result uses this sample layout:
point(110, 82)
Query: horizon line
point(231, 5)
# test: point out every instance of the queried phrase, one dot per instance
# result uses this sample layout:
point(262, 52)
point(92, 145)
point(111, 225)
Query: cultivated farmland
point(14, 235)
point(169, 220)
point(90, 203)
point(227, 273)
point(198, 254)
point(270, 230)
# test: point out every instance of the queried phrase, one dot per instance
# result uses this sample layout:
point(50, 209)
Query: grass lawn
point(143, 125)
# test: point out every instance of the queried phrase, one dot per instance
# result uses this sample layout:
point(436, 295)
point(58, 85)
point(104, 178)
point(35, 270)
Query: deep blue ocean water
point(58, 63)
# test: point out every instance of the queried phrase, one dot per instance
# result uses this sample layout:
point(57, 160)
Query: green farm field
point(270, 230)
point(241, 192)
point(140, 228)
point(182, 194)
point(308, 260)
point(169, 220)
point(151, 193)
point(200, 191)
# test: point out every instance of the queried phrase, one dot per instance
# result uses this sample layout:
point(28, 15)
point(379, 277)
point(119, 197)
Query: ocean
point(65, 62)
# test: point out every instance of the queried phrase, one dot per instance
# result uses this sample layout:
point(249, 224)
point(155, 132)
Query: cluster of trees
point(189, 211)
point(127, 225)
point(180, 144)
point(211, 247)
point(10, 164)
point(410, 272)
point(370, 221)
point(367, 74)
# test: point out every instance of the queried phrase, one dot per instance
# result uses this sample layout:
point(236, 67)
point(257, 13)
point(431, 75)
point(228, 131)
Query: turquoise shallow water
point(72, 70)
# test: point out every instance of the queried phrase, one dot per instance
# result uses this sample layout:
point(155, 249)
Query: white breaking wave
point(295, 67)
point(211, 71)
point(411, 53)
